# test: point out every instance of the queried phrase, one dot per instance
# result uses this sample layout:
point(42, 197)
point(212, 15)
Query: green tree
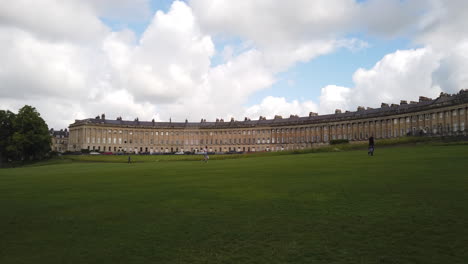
point(6, 133)
point(31, 139)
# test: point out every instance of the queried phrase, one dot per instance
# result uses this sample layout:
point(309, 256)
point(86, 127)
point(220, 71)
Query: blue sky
point(304, 80)
point(71, 66)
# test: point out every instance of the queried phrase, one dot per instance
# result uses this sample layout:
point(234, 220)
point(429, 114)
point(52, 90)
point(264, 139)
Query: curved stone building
point(445, 115)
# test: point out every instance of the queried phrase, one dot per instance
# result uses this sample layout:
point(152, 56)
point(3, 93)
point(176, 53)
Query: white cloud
point(271, 106)
point(406, 74)
point(334, 97)
point(60, 57)
point(53, 20)
point(402, 75)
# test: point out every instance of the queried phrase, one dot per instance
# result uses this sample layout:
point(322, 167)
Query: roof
point(424, 104)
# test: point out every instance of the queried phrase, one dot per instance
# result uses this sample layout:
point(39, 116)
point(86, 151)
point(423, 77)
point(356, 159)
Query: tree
point(31, 139)
point(24, 136)
point(6, 133)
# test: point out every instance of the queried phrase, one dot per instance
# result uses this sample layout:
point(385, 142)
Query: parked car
point(179, 153)
point(94, 153)
point(107, 153)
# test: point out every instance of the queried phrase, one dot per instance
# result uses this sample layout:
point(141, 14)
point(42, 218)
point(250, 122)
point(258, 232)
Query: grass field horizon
point(407, 204)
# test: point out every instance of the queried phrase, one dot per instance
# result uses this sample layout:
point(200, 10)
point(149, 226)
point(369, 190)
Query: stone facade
point(445, 115)
point(59, 140)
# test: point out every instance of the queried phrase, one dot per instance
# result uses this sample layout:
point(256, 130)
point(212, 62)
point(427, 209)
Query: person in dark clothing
point(129, 161)
point(371, 146)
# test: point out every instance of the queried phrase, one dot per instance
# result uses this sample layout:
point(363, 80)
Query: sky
point(194, 59)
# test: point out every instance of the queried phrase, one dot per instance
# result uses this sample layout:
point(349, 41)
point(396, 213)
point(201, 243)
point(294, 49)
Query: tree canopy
point(23, 136)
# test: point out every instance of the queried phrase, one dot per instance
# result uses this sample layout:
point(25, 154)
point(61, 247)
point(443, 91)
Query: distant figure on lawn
point(206, 157)
point(371, 146)
point(129, 160)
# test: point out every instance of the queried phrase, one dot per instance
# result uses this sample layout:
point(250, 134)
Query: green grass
point(317, 149)
point(404, 205)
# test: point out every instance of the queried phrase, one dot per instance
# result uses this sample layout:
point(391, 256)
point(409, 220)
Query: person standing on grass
point(371, 146)
point(206, 158)
point(129, 161)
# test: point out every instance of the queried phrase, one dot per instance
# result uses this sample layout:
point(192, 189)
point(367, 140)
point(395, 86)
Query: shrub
point(339, 141)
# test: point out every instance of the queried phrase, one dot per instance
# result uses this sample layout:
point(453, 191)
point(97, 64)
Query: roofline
point(424, 104)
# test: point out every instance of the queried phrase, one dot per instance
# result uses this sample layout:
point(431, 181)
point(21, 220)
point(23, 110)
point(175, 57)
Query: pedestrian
point(129, 161)
point(206, 158)
point(371, 146)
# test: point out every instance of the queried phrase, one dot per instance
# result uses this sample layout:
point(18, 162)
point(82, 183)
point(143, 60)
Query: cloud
point(53, 20)
point(406, 74)
point(271, 106)
point(61, 57)
point(402, 75)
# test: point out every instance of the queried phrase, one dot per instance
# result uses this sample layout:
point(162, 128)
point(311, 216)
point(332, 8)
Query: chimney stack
point(424, 99)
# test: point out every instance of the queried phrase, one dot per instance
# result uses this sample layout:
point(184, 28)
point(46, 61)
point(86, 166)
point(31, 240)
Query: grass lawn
point(404, 205)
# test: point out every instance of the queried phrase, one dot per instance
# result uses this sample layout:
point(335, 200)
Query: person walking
point(371, 146)
point(206, 157)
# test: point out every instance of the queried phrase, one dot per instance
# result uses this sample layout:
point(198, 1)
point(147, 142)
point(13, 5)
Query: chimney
point(403, 102)
point(337, 111)
point(369, 108)
point(393, 105)
point(103, 116)
point(312, 114)
point(278, 117)
point(424, 99)
point(413, 102)
point(383, 105)
point(217, 119)
point(361, 108)
point(232, 119)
